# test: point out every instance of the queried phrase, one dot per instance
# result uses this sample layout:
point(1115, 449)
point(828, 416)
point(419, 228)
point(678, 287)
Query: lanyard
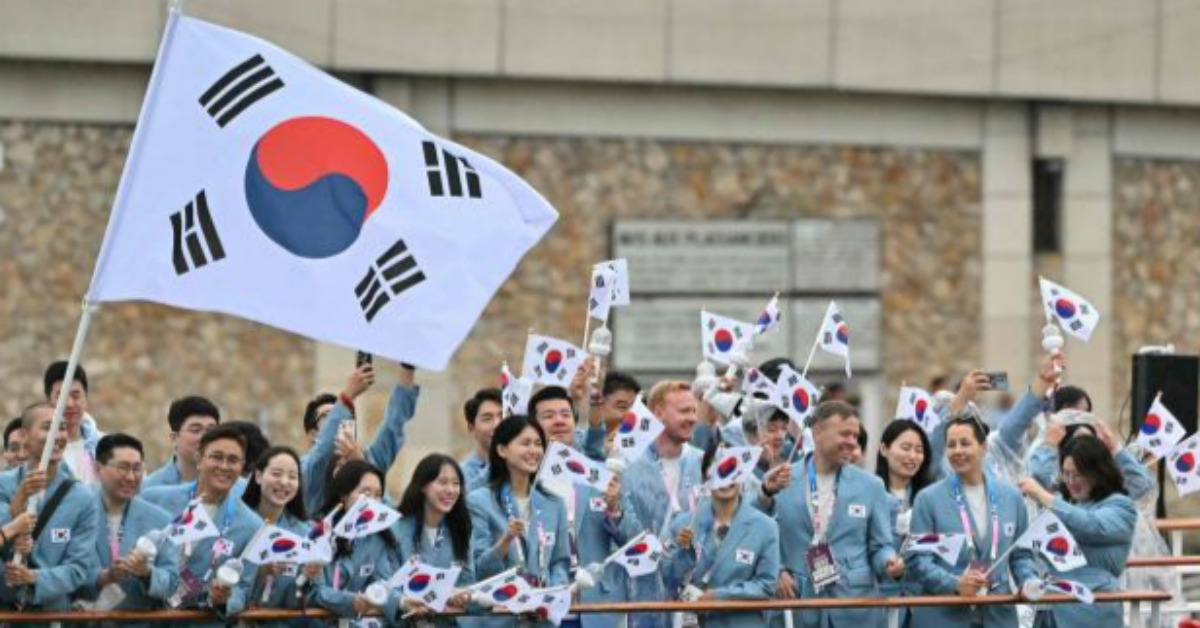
point(226, 516)
point(965, 517)
point(814, 500)
point(719, 542)
point(114, 546)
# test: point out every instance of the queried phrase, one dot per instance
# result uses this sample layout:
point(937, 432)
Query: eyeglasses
point(221, 460)
point(127, 469)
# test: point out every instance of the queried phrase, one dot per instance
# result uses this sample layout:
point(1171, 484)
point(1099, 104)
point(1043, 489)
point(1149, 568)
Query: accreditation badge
point(821, 567)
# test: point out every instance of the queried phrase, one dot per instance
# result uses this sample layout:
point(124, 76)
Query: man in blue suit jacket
point(829, 507)
point(188, 419)
point(63, 556)
point(128, 579)
point(222, 456)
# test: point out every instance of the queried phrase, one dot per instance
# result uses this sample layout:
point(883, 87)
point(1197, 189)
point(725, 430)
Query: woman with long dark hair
point(436, 528)
point(902, 462)
point(991, 514)
point(513, 522)
point(1093, 505)
point(360, 562)
point(274, 493)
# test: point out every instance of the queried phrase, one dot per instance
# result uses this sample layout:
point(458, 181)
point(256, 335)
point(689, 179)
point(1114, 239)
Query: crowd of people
point(810, 522)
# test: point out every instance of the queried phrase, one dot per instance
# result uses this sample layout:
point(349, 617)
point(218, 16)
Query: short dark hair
point(111, 442)
point(831, 408)
point(549, 393)
point(481, 396)
point(190, 406)
point(864, 439)
point(970, 420)
point(616, 381)
point(771, 367)
point(12, 426)
point(256, 441)
point(1068, 396)
point(310, 411)
point(57, 372)
point(1093, 460)
point(223, 432)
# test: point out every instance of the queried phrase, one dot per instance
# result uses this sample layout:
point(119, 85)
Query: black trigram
point(193, 232)
point(450, 182)
point(394, 272)
point(239, 88)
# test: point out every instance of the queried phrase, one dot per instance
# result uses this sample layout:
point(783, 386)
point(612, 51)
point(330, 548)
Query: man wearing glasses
point(128, 579)
point(222, 457)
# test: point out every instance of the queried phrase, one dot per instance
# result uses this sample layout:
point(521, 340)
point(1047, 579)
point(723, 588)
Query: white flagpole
point(812, 352)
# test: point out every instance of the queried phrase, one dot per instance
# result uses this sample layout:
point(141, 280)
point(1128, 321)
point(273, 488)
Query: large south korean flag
point(261, 187)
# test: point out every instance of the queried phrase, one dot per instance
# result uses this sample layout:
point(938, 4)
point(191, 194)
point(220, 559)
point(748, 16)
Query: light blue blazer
point(549, 561)
point(859, 537)
point(371, 559)
point(411, 537)
point(237, 530)
point(65, 554)
point(743, 567)
point(597, 536)
point(141, 517)
point(907, 586)
point(936, 511)
point(475, 472)
point(1104, 531)
point(1043, 466)
point(283, 587)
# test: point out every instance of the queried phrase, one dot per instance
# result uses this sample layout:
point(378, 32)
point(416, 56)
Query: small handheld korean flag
point(732, 465)
point(509, 591)
point(637, 430)
point(191, 525)
point(720, 334)
point(366, 517)
point(620, 290)
point(515, 392)
point(1048, 535)
point(600, 297)
point(795, 395)
point(321, 536)
point(1072, 588)
point(948, 547)
point(754, 381)
point(916, 405)
point(640, 556)
point(565, 466)
point(835, 334)
point(423, 583)
point(1074, 314)
point(259, 186)
point(552, 604)
point(1184, 464)
point(551, 361)
point(1160, 431)
point(276, 545)
point(769, 318)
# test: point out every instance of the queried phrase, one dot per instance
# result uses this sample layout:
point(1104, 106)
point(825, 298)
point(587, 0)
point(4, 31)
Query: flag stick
point(626, 546)
point(812, 352)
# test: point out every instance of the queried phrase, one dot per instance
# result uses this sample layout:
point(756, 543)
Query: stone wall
point(927, 200)
point(56, 188)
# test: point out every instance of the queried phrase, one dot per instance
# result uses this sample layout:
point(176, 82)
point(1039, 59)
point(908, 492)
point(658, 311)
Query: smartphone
point(997, 380)
point(363, 358)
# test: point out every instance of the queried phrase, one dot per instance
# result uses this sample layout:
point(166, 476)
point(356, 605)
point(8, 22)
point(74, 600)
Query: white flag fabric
point(509, 591)
point(261, 187)
point(1184, 465)
point(321, 535)
point(431, 586)
point(948, 547)
point(637, 430)
point(276, 545)
point(366, 517)
point(795, 395)
point(835, 334)
point(769, 318)
point(732, 465)
point(600, 298)
point(515, 392)
point(620, 293)
point(551, 604)
point(191, 525)
point(917, 405)
point(1160, 431)
point(1074, 314)
point(565, 466)
point(1048, 535)
point(1072, 588)
point(720, 336)
point(641, 556)
point(756, 382)
point(551, 361)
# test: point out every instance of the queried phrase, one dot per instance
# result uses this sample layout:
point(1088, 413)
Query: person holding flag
point(361, 561)
point(1067, 425)
point(274, 494)
point(1093, 506)
point(222, 457)
point(902, 463)
point(837, 516)
point(725, 550)
point(514, 523)
point(435, 527)
point(992, 514)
